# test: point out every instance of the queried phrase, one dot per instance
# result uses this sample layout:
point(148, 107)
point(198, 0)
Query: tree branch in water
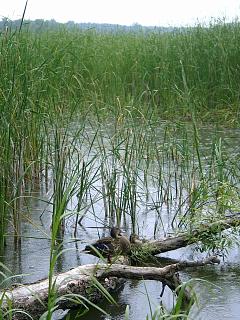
point(32, 298)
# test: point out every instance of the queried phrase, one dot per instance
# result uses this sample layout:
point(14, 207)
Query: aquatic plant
point(83, 118)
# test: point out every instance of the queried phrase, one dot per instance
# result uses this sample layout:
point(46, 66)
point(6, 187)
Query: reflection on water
point(31, 258)
point(141, 296)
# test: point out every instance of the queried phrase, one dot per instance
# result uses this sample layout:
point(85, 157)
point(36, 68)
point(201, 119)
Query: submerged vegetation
point(112, 121)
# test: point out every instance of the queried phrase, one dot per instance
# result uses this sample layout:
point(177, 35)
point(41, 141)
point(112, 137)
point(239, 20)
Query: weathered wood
point(184, 239)
point(32, 298)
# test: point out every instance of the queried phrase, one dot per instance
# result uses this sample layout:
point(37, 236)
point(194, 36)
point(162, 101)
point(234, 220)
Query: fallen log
point(33, 298)
point(185, 239)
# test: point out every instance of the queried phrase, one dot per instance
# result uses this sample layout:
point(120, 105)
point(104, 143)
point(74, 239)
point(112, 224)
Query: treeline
point(41, 24)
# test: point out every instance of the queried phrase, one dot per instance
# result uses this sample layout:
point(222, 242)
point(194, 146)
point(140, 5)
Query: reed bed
point(195, 68)
point(50, 77)
point(102, 120)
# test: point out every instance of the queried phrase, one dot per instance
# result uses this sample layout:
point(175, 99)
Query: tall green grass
point(176, 72)
point(88, 107)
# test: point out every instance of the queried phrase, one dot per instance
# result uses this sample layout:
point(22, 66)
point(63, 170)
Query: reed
point(176, 72)
point(84, 113)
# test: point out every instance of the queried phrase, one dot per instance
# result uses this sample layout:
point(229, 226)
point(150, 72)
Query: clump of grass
point(141, 255)
point(7, 311)
point(181, 307)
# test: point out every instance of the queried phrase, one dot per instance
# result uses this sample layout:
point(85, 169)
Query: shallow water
point(218, 297)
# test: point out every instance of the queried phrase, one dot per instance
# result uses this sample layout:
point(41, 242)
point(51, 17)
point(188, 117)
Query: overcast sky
point(145, 12)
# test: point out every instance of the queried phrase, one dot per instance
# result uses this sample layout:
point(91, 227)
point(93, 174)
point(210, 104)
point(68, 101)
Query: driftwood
point(32, 298)
point(184, 239)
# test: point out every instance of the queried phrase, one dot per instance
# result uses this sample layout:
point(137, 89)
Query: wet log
point(33, 298)
point(185, 239)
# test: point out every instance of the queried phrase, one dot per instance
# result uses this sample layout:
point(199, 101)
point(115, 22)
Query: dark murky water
point(219, 297)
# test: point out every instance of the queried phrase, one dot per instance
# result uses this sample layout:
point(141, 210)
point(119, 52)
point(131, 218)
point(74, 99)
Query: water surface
point(218, 287)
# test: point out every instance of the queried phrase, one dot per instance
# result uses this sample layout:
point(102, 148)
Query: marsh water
point(217, 287)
